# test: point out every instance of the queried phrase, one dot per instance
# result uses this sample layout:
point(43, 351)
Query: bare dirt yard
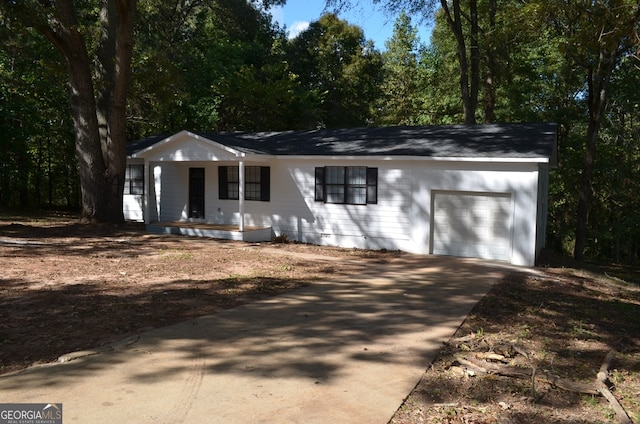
point(530, 352)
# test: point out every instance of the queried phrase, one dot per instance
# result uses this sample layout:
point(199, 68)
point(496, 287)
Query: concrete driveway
point(346, 351)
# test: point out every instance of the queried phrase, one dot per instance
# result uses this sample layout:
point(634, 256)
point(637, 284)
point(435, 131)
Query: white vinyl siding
point(383, 225)
point(172, 191)
point(132, 207)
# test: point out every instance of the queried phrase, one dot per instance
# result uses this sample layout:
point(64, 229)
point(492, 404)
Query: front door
point(196, 193)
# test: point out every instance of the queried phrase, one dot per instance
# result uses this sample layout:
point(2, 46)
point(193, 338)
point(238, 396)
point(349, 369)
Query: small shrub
point(282, 238)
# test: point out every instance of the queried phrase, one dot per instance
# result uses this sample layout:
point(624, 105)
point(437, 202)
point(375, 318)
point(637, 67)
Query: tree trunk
point(598, 84)
point(98, 106)
point(490, 90)
point(612, 45)
point(113, 71)
point(90, 164)
point(455, 24)
point(475, 62)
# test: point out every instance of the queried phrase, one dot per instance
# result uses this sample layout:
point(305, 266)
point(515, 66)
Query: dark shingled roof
point(482, 141)
point(143, 143)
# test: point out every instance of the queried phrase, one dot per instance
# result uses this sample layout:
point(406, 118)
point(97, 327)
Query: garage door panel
point(499, 232)
point(472, 225)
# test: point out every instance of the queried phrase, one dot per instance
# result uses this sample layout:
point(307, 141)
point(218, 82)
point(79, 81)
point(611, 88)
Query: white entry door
point(475, 225)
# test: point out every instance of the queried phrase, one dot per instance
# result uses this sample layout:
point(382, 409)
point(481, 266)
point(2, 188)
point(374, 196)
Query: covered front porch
point(250, 234)
point(194, 186)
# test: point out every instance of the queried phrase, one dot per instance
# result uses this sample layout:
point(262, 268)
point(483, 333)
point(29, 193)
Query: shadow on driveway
point(342, 351)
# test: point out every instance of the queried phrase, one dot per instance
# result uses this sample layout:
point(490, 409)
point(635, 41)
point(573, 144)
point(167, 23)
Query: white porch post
point(148, 177)
point(241, 194)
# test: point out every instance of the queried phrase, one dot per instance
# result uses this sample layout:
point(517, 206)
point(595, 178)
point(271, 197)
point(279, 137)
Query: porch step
point(225, 232)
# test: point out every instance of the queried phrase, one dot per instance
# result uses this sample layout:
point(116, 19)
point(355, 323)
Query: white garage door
point(472, 225)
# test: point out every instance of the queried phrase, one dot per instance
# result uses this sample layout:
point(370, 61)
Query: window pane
point(233, 182)
point(335, 193)
point(134, 179)
point(233, 175)
point(252, 174)
point(252, 191)
point(357, 185)
point(335, 175)
point(335, 184)
point(357, 175)
point(136, 171)
point(357, 195)
point(233, 190)
point(137, 187)
point(253, 183)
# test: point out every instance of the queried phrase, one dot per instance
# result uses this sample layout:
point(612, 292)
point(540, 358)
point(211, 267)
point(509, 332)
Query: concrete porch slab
point(225, 232)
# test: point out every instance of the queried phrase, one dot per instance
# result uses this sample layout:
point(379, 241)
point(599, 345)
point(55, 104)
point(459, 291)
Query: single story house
point(463, 190)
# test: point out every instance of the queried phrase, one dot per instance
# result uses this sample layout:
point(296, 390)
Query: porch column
point(241, 194)
point(148, 178)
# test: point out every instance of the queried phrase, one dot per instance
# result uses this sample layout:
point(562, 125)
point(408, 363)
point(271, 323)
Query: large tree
point(96, 42)
point(96, 39)
point(341, 71)
point(400, 104)
point(594, 36)
point(215, 65)
point(464, 25)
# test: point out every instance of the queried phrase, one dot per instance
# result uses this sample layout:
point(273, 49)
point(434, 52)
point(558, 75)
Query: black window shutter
point(372, 185)
point(223, 187)
point(265, 183)
point(319, 196)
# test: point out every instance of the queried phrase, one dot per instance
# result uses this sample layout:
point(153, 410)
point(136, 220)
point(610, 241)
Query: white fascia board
point(256, 157)
point(142, 153)
point(421, 158)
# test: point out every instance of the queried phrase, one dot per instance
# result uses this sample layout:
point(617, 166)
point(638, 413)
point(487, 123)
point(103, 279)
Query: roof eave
point(418, 158)
point(141, 154)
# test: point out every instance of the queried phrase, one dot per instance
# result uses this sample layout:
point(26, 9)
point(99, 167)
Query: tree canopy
point(401, 87)
point(339, 69)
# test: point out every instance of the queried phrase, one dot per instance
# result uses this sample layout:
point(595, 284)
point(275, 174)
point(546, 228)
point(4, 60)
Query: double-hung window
point(256, 183)
point(229, 182)
point(253, 183)
point(134, 179)
point(355, 185)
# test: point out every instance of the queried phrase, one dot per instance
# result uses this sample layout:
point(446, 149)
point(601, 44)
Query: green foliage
point(38, 166)
point(596, 59)
point(402, 84)
point(340, 70)
point(441, 102)
point(216, 66)
point(616, 230)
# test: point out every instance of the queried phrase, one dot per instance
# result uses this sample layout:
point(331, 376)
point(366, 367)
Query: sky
point(377, 25)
